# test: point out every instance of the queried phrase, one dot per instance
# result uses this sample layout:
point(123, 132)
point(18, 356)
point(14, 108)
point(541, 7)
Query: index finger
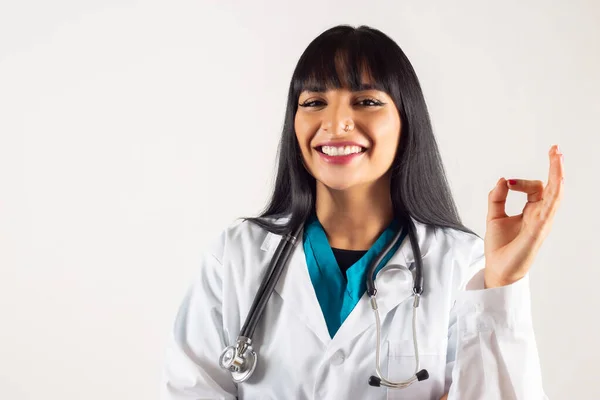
point(556, 177)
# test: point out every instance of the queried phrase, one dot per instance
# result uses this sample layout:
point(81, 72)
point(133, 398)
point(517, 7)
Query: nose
point(336, 117)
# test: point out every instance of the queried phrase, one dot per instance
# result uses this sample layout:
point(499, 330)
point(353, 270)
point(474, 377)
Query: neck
point(354, 218)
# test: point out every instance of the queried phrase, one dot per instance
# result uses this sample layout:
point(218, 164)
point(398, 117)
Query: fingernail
point(512, 182)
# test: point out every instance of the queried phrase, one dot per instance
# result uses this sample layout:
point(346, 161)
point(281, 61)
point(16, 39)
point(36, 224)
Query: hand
point(444, 397)
point(511, 243)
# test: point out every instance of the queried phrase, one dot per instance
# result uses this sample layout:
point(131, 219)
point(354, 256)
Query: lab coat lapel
point(394, 283)
point(296, 289)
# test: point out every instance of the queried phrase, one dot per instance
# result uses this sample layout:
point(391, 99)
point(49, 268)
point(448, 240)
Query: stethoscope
point(241, 359)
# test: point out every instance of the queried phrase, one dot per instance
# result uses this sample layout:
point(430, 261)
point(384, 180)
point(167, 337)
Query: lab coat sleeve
point(492, 351)
point(191, 369)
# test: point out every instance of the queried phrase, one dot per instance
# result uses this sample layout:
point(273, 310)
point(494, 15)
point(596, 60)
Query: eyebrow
point(321, 89)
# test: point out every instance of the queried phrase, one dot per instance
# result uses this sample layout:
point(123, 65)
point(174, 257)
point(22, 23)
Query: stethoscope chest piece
point(240, 360)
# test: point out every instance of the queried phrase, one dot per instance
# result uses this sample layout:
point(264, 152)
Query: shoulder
point(240, 236)
point(464, 245)
point(455, 254)
point(446, 241)
point(463, 255)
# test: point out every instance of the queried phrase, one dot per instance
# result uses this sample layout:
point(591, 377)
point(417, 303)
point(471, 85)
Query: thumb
point(497, 200)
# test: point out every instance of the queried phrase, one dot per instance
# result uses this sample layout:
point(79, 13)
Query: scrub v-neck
point(338, 296)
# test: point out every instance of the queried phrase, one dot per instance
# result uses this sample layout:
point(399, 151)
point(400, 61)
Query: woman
point(358, 166)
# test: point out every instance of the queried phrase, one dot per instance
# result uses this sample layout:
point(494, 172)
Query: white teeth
point(341, 151)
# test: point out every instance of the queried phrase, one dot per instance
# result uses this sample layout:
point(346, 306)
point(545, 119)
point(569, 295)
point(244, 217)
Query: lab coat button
point(338, 358)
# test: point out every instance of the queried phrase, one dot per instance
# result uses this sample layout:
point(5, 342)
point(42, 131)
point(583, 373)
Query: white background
point(131, 133)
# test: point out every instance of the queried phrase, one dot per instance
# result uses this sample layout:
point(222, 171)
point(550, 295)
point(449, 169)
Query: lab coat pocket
point(402, 363)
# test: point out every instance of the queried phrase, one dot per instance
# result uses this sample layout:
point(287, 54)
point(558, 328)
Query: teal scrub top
point(338, 296)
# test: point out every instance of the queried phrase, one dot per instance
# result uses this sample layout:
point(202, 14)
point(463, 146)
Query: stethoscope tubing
point(283, 251)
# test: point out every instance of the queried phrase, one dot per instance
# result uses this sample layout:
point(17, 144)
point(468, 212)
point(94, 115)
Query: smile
point(341, 154)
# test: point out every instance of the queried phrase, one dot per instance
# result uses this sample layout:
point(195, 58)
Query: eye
point(308, 103)
point(372, 103)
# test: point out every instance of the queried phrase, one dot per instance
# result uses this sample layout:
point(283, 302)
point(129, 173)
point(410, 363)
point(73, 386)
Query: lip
point(340, 160)
point(339, 144)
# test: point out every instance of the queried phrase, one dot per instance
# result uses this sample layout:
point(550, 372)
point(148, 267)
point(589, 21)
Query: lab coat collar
point(393, 283)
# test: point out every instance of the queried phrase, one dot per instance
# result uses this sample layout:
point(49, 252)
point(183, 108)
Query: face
point(339, 159)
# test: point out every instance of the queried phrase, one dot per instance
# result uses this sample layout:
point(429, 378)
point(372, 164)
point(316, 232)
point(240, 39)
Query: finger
point(533, 188)
point(554, 188)
point(444, 397)
point(497, 200)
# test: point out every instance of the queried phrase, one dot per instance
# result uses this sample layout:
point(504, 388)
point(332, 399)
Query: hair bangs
point(345, 59)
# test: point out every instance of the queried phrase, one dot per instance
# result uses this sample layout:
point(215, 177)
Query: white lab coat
point(475, 343)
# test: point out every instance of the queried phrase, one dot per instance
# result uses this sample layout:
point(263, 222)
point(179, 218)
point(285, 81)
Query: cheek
point(387, 139)
point(303, 135)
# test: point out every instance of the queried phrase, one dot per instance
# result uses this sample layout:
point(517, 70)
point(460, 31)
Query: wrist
point(490, 281)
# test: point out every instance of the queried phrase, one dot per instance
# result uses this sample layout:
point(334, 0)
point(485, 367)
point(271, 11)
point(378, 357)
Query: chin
point(339, 184)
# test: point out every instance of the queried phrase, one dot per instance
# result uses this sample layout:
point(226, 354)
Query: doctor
point(358, 160)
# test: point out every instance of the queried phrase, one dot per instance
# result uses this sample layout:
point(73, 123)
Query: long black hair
point(418, 187)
